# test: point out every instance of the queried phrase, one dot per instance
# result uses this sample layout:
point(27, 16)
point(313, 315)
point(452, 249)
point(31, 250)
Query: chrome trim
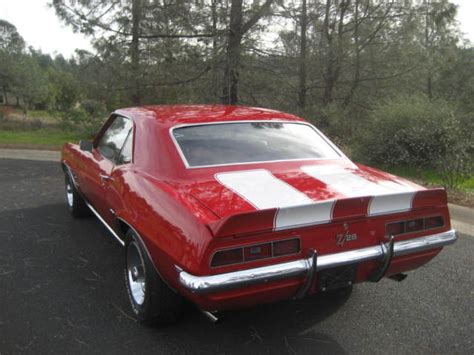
point(71, 175)
point(99, 217)
point(298, 268)
point(105, 177)
point(413, 219)
point(69, 194)
point(186, 164)
point(136, 273)
point(310, 274)
point(255, 245)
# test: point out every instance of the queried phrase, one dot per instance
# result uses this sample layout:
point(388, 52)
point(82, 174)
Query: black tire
point(152, 301)
point(74, 200)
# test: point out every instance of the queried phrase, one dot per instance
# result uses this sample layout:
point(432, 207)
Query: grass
point(38, 130)
point(49, 138)
point(428, 176)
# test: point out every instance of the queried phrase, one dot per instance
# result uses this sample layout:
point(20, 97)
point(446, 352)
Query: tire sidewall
point(139, 310)
point(69, 182)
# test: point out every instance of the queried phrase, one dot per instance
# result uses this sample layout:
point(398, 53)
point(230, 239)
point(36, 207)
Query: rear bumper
point(307, 267)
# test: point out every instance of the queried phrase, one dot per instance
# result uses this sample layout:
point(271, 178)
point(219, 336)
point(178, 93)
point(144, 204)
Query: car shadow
point(62, 280)
point(283, 327)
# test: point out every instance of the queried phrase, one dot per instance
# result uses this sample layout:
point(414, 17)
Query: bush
point(457, 164)
point(84, 121)
point(335, 122)
point(417, 132)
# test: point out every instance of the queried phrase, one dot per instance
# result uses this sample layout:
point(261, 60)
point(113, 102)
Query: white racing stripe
point(391, 203)
point(388, 196)
point(298, 216)
point(263, 190)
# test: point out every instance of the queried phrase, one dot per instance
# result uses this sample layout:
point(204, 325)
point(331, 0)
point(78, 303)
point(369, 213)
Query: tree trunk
point(302, 67)
point(5, 95)
point(231, 70)
point(215, 68)
point(135, 51)
point(329, 71)
point(355, 82)
point(429, 84)
point(237, 29)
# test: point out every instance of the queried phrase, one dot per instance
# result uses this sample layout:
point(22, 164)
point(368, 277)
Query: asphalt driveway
point(62, 291)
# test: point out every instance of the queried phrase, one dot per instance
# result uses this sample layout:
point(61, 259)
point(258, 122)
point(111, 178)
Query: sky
point(39, 26)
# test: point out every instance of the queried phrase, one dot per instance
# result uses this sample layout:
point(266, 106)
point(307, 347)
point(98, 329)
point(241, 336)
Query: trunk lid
point(287, 196)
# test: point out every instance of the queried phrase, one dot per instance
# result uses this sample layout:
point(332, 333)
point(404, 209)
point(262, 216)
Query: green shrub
point(417, 132)
point(336, 122)
point(82, 121)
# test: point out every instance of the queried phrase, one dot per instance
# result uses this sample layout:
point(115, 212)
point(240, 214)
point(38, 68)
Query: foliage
point(85, 118)
point(457, 164)
point(414, 131)
point(392, 81)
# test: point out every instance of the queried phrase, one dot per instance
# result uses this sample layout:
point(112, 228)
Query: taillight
point(256, 252)
point(396, 228)
point(286, 247)
point(227, 257)
point(434, 222)
point(414, 225)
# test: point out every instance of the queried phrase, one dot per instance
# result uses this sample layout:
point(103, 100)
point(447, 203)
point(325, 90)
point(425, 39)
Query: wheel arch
point(124, 227)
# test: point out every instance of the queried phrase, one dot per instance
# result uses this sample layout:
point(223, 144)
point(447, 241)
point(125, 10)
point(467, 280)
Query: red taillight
point(434, 222)
point(396, 228)
point(286, 247)
point(227, 257)
point(414, 225)
point(256, 252)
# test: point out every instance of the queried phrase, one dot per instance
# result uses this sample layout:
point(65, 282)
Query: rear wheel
point(152, 301)
point(75, 202)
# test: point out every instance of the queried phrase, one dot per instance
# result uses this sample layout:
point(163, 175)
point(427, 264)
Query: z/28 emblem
point(342, 238)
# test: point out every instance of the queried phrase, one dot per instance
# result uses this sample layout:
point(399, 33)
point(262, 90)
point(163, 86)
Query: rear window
point(250, 142)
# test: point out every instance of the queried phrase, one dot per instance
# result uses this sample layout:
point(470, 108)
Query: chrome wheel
point(136, 273)
point(69, 194)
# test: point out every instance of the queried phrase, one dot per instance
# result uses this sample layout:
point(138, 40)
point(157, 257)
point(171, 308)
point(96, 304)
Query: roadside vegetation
point(390, 82)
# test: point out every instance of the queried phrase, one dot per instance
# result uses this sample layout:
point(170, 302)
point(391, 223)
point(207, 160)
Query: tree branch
point(256, 16)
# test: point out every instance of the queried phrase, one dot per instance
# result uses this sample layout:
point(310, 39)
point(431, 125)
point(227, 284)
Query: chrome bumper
point(237, 279)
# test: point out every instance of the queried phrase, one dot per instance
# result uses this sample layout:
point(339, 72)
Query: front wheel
point(152, 301)
point(75, 203)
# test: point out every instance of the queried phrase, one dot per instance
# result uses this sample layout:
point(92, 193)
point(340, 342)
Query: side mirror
point(86, 146)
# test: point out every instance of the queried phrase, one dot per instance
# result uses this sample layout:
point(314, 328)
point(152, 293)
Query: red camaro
point(231, 207)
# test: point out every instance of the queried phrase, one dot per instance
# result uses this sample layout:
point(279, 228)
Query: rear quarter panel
point(169, 223)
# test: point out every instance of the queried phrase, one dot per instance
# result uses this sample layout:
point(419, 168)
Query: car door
point(106, 151)
point(117, 186)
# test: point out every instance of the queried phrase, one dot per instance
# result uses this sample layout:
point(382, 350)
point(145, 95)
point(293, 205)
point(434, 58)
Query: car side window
point(127, 150)
point(114, 138)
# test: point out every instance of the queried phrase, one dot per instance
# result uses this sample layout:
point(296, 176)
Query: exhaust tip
point(398, 277)
point(213, 317)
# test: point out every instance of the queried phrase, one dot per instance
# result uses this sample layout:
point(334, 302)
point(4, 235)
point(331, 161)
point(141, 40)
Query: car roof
point(171, 115)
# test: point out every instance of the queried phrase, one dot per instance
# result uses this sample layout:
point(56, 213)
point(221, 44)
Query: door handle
point(104, 177)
